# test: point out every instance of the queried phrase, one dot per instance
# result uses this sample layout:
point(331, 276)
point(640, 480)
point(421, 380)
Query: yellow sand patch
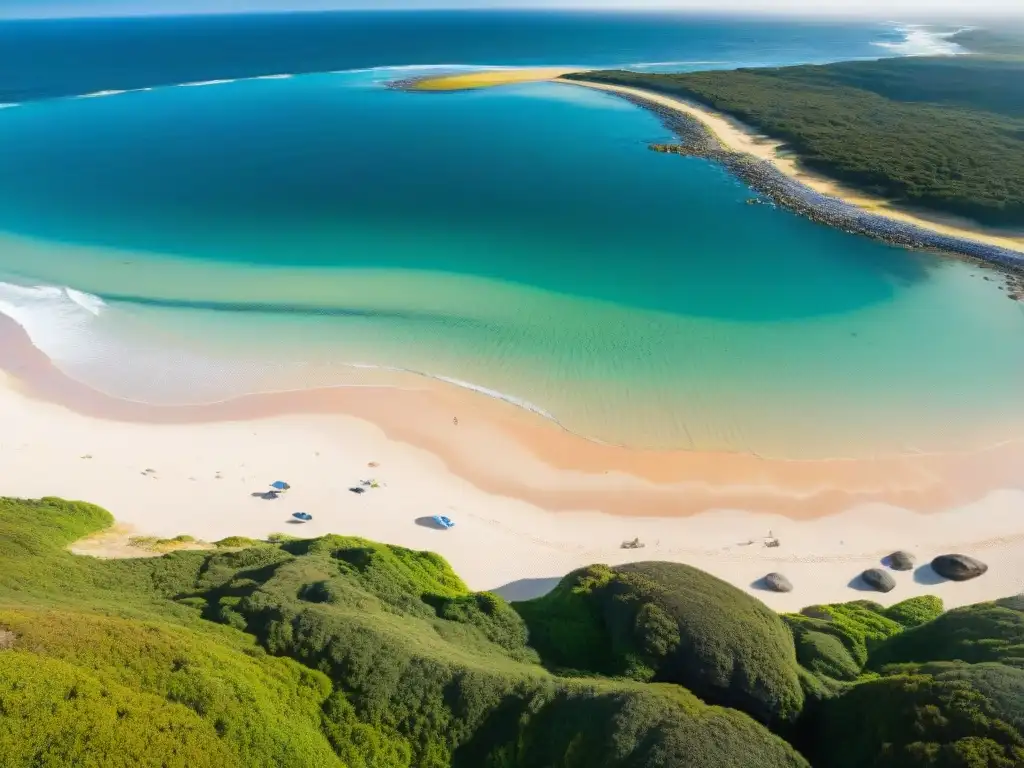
point(488, 78)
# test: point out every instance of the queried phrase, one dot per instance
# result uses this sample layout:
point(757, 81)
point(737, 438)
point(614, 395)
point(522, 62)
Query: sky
point(883, 9)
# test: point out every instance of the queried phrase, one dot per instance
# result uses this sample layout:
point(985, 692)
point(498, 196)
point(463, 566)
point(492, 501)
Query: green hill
point(338, 651)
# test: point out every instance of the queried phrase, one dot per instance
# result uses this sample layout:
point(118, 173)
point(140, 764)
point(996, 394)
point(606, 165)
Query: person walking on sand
point(455, 420)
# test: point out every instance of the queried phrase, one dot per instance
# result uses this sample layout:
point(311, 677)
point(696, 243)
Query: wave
point(54, 318)
point(516, 401)
point(495, 394)
point(61, 322)
point(201, 83)
point(273, 77)
point(919, 40)
point(100, 94)
point(9, 106)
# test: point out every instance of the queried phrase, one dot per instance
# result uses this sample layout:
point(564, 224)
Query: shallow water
point(292, 232)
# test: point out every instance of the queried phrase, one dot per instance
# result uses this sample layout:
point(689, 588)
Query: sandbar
point(485, 78)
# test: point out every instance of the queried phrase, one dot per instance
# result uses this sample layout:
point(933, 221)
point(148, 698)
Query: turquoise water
point(283, 233)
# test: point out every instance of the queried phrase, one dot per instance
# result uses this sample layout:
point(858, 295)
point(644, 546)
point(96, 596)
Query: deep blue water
point(62, 57)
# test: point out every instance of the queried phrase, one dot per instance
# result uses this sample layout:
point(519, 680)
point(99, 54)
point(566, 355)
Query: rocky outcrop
point(878, 580)
point(900, 561)
point(958, 567)
point(776, 582)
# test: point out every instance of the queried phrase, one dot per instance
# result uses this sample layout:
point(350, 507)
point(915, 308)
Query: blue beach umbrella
point(303, 516)
point(443, 521)
point(280, 485)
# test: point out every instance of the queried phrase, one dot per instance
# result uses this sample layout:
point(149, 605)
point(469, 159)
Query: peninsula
point(924, 152)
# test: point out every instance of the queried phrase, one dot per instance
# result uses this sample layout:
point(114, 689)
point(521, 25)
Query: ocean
point(193, 209)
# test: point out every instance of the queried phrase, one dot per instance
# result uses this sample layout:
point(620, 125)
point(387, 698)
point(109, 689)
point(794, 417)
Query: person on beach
point(455, 420)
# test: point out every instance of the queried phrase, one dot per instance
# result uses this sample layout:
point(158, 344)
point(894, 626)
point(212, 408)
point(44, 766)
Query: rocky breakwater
point(697, 141)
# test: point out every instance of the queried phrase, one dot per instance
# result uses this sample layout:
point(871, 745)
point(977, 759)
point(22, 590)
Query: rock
point(900, 560)
point(878, 580)
point(776, 582)
point(958, 567)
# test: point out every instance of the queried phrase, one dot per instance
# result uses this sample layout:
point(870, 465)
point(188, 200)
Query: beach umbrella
point(280, 485)
point(443, 521)
point(303, 516)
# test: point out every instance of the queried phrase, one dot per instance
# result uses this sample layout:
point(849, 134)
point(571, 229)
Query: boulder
point(958, 567)
point(776, 582)
point(878, 580)
point(900, 561)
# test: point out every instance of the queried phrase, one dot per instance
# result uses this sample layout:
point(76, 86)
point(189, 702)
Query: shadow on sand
point(925, 574)
point(429, 522)
point(858, 583)
point(526, 589)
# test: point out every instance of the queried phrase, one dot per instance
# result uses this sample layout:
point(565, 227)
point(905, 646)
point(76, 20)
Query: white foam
point(206, 82)
point(87, 301)
point(919, 40)
point(55, 319)
point(9, 106)
point(524, 404)
point(274, 77)
point(492, 393)
point(100, 94)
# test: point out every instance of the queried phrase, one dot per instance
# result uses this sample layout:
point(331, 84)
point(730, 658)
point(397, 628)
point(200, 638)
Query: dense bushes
point(340, 651)
point(976, 633)
point(946, 134)
point(906, 721)
point(390, 663)
point(671, 623)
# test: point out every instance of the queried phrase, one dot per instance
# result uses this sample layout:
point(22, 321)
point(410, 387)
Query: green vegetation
point(940, 133)
point(342, 652)
point(671, 623)
point(976, 633)
point(907, 721)
point(326, 652)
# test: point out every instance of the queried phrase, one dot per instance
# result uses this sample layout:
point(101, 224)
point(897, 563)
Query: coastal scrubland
point(338, 651)
point(941, 134)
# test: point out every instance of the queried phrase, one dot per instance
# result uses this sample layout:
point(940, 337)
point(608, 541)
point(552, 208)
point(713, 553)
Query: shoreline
point(543, 464)
point(756, 160)
point(529, 506)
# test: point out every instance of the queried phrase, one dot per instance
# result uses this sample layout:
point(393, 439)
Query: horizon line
point(575, 9)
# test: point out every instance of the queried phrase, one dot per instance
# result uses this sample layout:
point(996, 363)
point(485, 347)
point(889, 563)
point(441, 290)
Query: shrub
point(672, 623)
point(915, 611)
point(975, 633)
point(914, 721)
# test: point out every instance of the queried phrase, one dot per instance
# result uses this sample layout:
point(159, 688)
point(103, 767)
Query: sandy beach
point(530, 502)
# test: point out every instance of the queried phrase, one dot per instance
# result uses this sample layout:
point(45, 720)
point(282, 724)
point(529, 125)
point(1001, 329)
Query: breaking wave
point(919, 40)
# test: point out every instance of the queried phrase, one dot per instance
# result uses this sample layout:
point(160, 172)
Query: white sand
point(204, 475)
